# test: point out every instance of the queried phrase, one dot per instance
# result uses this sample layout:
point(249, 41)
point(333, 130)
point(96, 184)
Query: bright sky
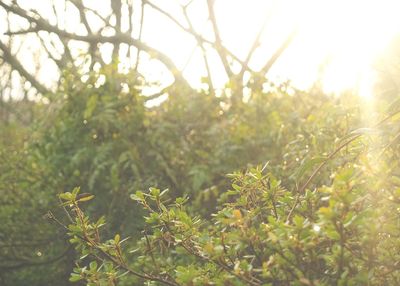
point(347, 35)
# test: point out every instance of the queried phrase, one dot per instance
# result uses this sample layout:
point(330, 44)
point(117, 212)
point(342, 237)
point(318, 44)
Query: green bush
point(102, 136)
point(339, 227)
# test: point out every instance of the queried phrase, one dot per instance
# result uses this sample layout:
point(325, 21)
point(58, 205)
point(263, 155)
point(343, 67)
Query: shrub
point(338, 230)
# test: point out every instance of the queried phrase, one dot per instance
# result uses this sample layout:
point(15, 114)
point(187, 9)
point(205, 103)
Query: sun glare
point(341, 38)
point(355, 33)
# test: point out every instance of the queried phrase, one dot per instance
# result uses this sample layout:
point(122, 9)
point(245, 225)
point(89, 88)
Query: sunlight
point(340, 38)
point(355, 33)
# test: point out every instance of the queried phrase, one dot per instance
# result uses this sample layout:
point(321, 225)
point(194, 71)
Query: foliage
point(338, 227)
point(28, 243)
point(344, 233)
point(101, 135)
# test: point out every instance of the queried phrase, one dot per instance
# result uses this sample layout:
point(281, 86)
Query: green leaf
point(138, 196)
point(298, 221)
point(164, 192)
point(90, 106)
point(75, 277)
point(65, 196)
point(93, 265)
point(75, 191)
point(74, 228)
point(85, 198)
point(155, 192)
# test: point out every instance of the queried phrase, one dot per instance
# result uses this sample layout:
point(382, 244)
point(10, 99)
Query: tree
point(120, 27)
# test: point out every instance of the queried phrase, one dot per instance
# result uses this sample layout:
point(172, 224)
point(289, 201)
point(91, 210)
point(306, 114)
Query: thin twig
point(218, 41)
point(331, 155)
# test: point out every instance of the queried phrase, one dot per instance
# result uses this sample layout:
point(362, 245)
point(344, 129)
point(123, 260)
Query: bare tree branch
point(218, 41)
point(95, 36)
point(58, 62)
point(279, 52)
point(190, 30)
point(81, 8)
point(83, 17)
point(15, 63)
point(130, 26)
point(116, 6)
point(140, 35)
point(22, 32)
point(204, 53)
point(106, 20)
point(255, 44)
point(42, 24)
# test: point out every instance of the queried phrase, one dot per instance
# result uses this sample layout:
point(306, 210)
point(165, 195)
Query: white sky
point(350, 34)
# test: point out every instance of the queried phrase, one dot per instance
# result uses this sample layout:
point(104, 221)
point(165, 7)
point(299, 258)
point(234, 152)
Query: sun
point(355, 33)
